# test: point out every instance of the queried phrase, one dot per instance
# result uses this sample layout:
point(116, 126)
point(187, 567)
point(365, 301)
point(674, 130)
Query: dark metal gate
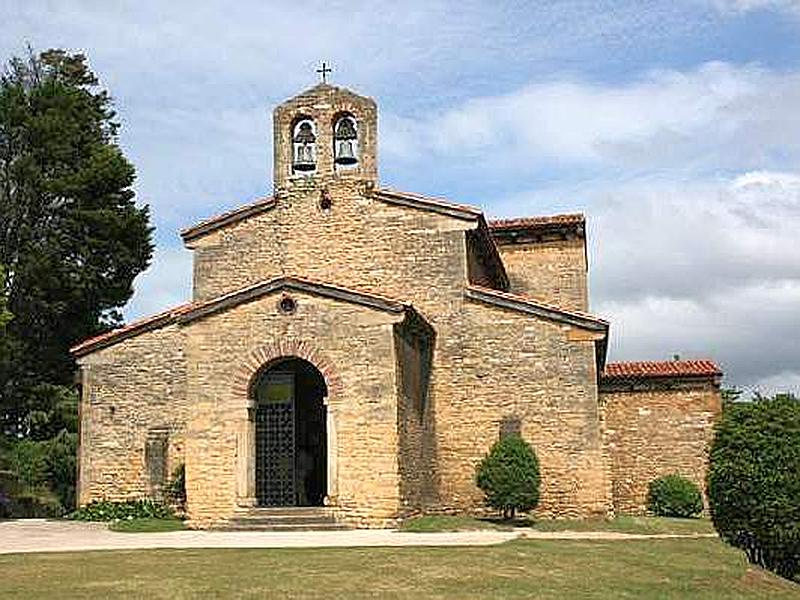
point(275, 442)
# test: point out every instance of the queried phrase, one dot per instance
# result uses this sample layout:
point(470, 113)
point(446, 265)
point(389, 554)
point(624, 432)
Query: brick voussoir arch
point(255, 361)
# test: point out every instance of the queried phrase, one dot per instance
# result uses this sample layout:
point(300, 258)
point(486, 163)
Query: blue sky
point(672, 125)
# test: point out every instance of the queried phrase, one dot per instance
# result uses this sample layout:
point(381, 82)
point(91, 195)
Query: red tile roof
point(653, 369)
point(536, 222)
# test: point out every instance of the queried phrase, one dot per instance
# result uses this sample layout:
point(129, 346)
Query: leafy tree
point(754, 481)
point(674, 496)
point(71, 236)
point(509, 476)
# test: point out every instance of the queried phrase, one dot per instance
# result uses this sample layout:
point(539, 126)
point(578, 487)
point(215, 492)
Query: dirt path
point(40, 535)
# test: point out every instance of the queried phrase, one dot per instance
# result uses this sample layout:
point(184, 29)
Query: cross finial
point(323, 71)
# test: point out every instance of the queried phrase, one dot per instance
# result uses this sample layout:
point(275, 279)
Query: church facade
point(359, 348)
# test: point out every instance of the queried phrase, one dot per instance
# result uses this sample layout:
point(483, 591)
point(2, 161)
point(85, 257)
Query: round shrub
point(674, 496)
point(754, 481)
point(509, 476)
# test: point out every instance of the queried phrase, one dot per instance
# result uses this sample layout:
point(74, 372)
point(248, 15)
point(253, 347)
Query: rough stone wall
point(129, 390)
point(655, 429)
point(354, 345)
point(543, 373)
point(419, 257)
point(360, 242)
point(551, 271)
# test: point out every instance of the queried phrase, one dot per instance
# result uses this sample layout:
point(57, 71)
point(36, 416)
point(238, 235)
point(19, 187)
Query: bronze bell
point(345, 155)
point(304, 148)
point(344, 135)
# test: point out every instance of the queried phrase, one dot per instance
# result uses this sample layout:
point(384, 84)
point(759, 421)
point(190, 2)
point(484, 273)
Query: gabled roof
point(437, 205)
point(227, 218)
point(195, 310)
point(525, 304)
point(317, 288)
point(657, 369)
point(131, 329)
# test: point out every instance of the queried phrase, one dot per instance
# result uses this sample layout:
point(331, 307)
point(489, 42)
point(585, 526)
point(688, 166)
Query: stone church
point(359, 349)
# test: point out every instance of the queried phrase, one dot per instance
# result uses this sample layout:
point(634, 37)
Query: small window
point(287, 305)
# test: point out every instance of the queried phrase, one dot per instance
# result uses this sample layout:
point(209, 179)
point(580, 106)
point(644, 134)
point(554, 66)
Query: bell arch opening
point(304, 141)
point(345, 141)
point(291, 461)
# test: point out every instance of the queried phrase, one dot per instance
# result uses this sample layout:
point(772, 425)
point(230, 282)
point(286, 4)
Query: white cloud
point(716, 114)
point(746, 6)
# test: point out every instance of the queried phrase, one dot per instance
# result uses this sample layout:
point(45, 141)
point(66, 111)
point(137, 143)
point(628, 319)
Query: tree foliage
point(754, 481)
point(72, 239)
point(509, 476)
point(674, 496)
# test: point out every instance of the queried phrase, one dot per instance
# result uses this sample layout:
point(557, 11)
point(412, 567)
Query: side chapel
point(359, 349)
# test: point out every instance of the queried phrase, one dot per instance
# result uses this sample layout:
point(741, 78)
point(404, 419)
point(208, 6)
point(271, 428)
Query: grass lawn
point(623, 524)
point(685, 568)
point(434, 523)
point(146, 525)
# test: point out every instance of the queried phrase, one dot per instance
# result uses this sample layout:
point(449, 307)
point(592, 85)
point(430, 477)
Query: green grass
point(643, 525)
point(146, 525)
point(624, 524)
point(438, 523)
point(673, 568)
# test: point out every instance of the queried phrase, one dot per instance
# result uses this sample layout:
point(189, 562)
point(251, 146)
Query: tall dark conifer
point(72, 239)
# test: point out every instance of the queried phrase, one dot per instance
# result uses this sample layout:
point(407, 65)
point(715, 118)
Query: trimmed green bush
point(509, 476)
point(754, 481)
point(674, 496)
point(131, 509)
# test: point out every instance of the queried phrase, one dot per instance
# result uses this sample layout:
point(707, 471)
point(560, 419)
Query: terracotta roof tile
point(534, 222)
point(130, 329)
point(651, 369)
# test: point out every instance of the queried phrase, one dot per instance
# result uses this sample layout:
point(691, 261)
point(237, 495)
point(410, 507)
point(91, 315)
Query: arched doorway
point(291, 436)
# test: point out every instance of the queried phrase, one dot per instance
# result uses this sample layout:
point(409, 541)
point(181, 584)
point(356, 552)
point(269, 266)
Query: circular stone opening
point(287, 305)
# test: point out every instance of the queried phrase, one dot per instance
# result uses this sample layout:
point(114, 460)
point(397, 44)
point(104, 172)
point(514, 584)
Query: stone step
point(279, 513)
point(283, 518)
